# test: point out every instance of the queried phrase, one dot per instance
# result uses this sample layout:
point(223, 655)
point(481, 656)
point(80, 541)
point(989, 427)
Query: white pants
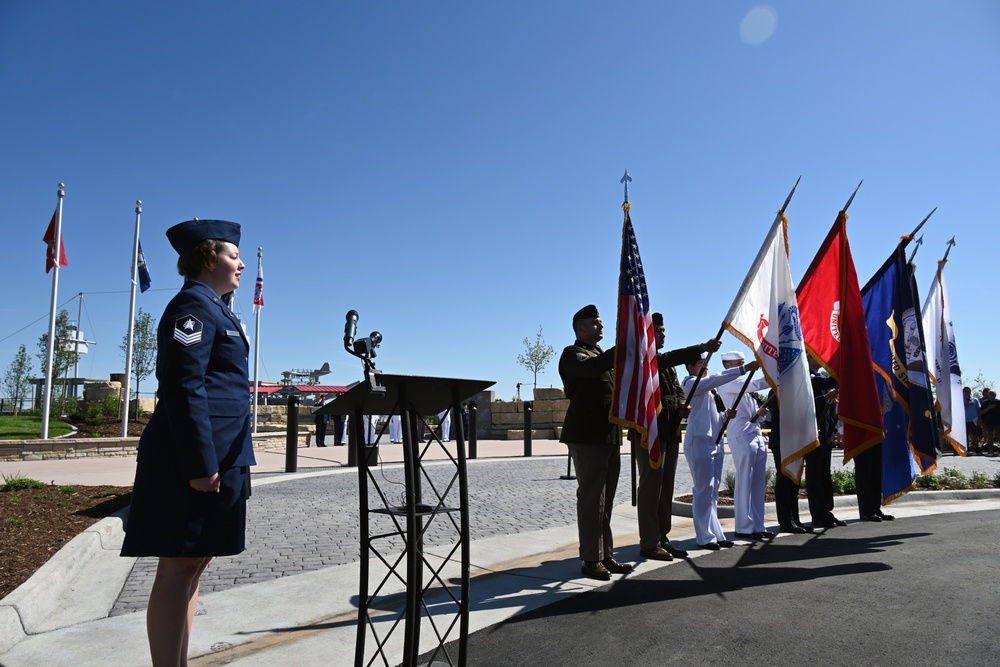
point(750, 458)
point(395, 429)
point(445, 418)
point(705, 459)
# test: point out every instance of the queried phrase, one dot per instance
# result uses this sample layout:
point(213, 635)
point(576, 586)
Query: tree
point(64, 354)
point(143, 350)
point(16, 379)
point(536, 355)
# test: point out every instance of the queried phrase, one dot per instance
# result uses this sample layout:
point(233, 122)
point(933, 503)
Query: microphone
point(350, 329)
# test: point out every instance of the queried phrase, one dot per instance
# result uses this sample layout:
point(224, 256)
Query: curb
point(728, 511)
point(65, 591)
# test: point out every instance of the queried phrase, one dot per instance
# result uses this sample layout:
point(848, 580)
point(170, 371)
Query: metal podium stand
point(408, 520)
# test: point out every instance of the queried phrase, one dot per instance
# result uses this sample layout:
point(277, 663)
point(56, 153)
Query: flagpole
point(739, 397)
point(948, 251)
point(745, 286)
point(256, 346)
point(131, 319)
point(909, 237)
point(50, 350)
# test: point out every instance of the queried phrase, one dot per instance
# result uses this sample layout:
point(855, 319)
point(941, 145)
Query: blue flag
point(896, 339)
point(144, 279)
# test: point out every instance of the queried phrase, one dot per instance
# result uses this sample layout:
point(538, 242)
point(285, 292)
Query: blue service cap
point(190, 232)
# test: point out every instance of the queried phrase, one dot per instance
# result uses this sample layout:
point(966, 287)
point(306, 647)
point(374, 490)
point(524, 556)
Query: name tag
point(230, 332)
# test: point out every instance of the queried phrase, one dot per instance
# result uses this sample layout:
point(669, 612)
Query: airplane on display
point(303, 375)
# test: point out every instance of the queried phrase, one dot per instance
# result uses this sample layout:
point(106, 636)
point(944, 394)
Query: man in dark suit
point(654, 500)
point(320, 421)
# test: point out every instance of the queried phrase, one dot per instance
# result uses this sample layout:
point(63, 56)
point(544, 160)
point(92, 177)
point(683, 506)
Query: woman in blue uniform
point(192, 477)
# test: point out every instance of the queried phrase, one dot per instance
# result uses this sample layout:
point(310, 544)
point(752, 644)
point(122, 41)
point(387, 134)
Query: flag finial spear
point(848, 204)
point(626, 179)
point(789, 197)
point(920, 242)
point(914, 232)
point(948, 251)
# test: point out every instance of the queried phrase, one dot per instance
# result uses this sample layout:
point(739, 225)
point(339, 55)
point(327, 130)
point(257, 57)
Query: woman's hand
point(206, 484)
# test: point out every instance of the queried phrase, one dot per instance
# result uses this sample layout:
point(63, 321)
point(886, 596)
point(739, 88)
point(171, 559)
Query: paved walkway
point(300, 568)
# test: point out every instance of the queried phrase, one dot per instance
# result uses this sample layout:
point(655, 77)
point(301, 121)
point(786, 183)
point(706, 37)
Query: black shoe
point(765, 535)
point(656, 553)
point(836, 521)
point(321, 445)
point(792, 528)
point(614, 567)
point(886, 517)
point(753, 537)
point(824, 523)
point(672, 550)
point(808, 529)
point(726, 544)
point(875, 518)
point(595, 570)
point(711, 546)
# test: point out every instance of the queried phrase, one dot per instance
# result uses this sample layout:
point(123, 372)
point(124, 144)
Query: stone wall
point(548, 412)
point(80, 448)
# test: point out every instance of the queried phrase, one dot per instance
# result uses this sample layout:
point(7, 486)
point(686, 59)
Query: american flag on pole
point(51, 256)
point(636, 398)
point(258, 290)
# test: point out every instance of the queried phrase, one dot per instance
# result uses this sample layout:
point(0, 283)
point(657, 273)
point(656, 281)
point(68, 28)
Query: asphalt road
point(917, 591)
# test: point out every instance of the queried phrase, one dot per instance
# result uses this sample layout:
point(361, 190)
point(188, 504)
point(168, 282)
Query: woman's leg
point(170, 613)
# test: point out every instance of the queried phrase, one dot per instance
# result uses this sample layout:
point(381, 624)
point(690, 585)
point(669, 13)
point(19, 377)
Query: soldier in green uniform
point(594, 442)
point(654, 500)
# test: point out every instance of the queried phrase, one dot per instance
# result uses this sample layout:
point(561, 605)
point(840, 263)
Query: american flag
point(258, 290)
point(637, 381)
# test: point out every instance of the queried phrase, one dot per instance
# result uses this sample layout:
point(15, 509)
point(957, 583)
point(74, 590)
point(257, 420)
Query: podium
point(393, 527)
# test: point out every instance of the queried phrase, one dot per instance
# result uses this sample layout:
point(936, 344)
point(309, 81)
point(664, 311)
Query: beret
point(585, 312)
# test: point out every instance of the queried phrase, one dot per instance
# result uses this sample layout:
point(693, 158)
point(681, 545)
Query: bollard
point(569, 469)
point(292, 436)
point(527, 427)
point(473, 434)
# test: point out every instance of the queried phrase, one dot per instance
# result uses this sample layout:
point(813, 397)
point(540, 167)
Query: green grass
point(29, 427)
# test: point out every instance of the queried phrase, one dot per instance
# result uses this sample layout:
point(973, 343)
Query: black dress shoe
point(595, 570)
point(824, 523)
point(837, 522)
point(656, 553)
point(726, 544)
point(614, 567)
point(672, 550)
point(711, 546)
point(753, 537)
point(886, 517)
point(792, 528)
point(765, 535)
point(875, 518)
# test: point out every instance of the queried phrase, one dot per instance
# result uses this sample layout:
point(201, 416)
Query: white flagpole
point(50, 351)
point(131, 319)
point(256, 346)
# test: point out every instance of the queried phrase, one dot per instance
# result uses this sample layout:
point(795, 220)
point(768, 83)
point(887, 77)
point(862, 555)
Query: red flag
point(636, 401)
point(50, 239)
point(833, 327)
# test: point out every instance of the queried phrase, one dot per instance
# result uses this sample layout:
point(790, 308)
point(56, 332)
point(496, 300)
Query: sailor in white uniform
point(746, 442)
point(395, 429)
point(445, 418)
point(704, 457)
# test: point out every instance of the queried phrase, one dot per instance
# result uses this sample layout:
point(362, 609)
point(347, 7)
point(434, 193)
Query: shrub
point(844, 481)
point(770, 477)
point(929, 482)
point(953, 479)
point(67, 489)
point(729, 482)
point(980, 480)
point(17, 483)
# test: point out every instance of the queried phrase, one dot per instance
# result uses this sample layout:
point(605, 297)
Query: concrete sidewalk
point(524, 555)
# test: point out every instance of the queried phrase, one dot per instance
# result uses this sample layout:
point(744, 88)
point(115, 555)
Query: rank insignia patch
point(187, 330)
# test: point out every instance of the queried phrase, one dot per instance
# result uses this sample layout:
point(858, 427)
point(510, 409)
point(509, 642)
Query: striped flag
point(942, 360)
point(765, 316)
point(258, 290)
point(144, 280)
point(636, 398)
point(50, 240)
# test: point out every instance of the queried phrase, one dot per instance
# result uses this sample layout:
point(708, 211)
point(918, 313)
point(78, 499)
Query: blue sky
point(451, 169)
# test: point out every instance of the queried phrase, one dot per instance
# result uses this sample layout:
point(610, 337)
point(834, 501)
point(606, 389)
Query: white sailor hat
point(735, 355)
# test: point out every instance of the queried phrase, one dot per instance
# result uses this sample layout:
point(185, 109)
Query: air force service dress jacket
point(201, 425)
point(588, 381)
